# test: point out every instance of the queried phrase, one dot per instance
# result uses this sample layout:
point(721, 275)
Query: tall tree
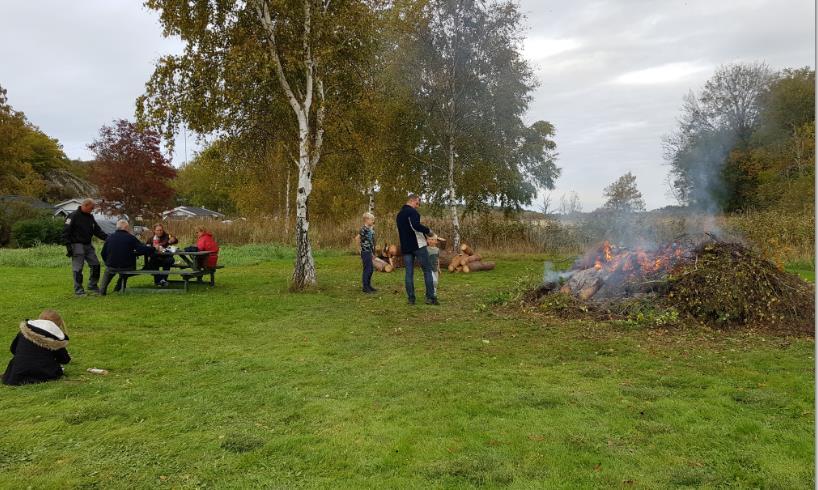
point(268, 67)
point(130, 170)
point(720, 118)
point(622, 196)
point(473, 87)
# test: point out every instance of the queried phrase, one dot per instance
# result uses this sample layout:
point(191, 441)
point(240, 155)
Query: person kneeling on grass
point(39, 351)
point(367, 240)
point(119, 253)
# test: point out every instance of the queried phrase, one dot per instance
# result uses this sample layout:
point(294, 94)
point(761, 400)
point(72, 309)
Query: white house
point(188, 212)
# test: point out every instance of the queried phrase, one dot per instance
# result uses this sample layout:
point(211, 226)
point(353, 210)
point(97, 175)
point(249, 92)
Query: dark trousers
point(366, 278)
point(84, 254)
point(158, 262)
point(421, 255)
point(109, 274)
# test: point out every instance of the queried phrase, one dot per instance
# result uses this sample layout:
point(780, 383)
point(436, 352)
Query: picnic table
point(189, 268)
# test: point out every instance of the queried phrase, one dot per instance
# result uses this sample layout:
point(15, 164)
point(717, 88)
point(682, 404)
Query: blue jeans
point(366, 278)
point(409, 263)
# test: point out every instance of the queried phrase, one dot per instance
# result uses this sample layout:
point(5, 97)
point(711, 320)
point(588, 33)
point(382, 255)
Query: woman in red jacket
point(206, 243)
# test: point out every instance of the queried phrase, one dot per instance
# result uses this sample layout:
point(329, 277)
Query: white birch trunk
point(452, 202)
point(371, 193)
point(309, 142)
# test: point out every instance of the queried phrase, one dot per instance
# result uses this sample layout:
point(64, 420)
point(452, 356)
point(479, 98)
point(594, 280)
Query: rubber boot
point(78, 284)
point(93, 281)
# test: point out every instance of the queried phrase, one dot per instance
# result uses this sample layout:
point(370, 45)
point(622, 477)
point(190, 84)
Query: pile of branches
point(729, 285)
point(720, 284)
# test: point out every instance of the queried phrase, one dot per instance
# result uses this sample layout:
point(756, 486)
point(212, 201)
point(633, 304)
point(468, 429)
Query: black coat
point(38, 354)
point(80, 228)
point(121, 250)
point(410, 230)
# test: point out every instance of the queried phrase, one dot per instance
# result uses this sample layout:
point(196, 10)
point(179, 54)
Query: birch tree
point(271, 64)
point(474, 87)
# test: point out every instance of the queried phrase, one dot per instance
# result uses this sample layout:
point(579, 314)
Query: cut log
point(381, 265)
point(481, 266)
point(588, 291)
point(471, 258)
point(465, 267)
point(466, 249)
point(445, 259)
point(455, 263)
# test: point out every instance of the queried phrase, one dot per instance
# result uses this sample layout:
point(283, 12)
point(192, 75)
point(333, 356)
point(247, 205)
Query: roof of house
point(193, 211)
point(31, 201)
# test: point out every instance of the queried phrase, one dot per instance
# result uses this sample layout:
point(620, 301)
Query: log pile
point(388, 257)
point(467, 261)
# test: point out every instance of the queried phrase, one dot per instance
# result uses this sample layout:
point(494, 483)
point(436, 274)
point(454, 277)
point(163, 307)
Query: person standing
point(80, 227)
point(413, 246)
point(119, 253)
point(367, 240)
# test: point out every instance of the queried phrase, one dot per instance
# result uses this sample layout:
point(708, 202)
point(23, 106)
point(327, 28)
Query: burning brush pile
point(720, 283)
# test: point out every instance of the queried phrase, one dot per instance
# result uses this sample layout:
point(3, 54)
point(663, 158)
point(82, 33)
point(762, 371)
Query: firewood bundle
point(467, 261)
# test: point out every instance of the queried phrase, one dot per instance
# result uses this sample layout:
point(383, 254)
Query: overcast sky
point(612, 73)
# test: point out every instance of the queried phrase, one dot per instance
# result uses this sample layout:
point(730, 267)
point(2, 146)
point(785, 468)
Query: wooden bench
point(187, 275)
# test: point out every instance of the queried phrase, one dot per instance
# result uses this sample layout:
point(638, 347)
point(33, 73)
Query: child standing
point(39, 351)
point(367, 239)
point(434, 258)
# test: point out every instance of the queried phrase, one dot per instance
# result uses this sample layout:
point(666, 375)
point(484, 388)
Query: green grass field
point(249, 386)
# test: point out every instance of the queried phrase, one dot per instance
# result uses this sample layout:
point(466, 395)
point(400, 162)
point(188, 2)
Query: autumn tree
point(473, 86)
point(130, 170)
point(622, 196)
point(714, 122)
point(273, 68)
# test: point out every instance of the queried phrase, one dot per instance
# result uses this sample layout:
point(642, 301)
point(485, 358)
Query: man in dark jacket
point(119, 253)
point(413, 247)
point(80, 227)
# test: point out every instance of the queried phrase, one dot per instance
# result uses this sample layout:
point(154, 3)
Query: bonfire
point(713, 281)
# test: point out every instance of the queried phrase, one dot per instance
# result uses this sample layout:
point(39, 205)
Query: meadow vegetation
point(248, 385)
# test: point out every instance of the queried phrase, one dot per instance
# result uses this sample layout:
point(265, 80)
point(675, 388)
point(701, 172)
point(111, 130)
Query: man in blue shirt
point(413, 247)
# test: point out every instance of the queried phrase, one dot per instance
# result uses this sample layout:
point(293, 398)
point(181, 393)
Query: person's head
point(432, 241)
point(202, 231)
point(413, 200)
point(54, 317)
point(369, 219)
point(122, 225)
point(158, 229)
point(87, 205)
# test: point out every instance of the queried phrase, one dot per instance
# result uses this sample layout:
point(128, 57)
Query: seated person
point(160, 241)
point(39, 351)
point(206, 243)
point(119, 253)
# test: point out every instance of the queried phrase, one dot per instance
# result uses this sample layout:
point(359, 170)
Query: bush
point(13, 212)
point(31, 232)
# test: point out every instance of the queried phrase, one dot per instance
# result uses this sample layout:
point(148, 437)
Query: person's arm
point(414, 222)
point(67, 229)
point(97, 231)
point(14, 344)
point(140, 249)
point(62, 356)
point(172, 240)
point(104, 252)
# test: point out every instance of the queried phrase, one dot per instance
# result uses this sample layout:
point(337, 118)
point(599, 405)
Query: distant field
point(249, 386)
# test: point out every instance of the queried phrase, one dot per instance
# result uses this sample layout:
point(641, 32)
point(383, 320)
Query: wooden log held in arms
point(381, 265)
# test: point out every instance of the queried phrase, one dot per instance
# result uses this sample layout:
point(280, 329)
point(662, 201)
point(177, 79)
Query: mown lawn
point(247, 385)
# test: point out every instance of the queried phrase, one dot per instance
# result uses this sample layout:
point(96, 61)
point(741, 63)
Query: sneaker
point(411, 302)
point(432, 301)
point(163, 283)
point(373, 290)
point(79, 292)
